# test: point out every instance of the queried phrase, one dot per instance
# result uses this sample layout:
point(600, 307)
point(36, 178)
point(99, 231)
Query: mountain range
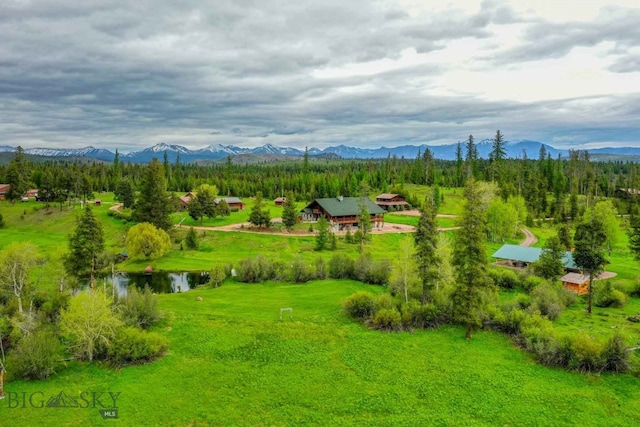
point(514, 149)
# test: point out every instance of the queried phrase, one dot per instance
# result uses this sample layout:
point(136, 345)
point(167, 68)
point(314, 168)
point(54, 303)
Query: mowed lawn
point(233, 362)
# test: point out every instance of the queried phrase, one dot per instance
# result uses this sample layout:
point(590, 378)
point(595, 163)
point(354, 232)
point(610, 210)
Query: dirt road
point(529, 238)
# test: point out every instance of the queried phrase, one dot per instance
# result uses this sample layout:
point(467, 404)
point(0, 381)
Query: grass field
point(232, 362)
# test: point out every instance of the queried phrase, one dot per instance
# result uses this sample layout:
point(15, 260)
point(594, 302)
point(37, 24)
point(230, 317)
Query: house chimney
point(340, 198)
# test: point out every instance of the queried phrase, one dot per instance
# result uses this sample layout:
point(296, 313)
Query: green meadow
point(233, 362)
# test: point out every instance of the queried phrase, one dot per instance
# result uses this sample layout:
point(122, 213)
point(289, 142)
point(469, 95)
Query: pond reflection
point(161, 282)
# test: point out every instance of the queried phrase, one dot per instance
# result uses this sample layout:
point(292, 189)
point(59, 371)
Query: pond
point(161, 282)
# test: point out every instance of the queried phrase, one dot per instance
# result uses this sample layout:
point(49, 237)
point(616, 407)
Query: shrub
point(132, 345)
point(36, 356)
point(300, 272)
point(387, 319)
point(504, 278)
point(554, 351)
point(509, 322)
point(1, 221)
point(529, 283)
point(321, 268)
point(360, 305)
point(379, 273)
point(635, 290)
point(367, 271)
point(340, 267)
point(139, 309)
point(546, 300)
point(587, 355)
point(383, 301)
point(255, 270)
point(606, 296)
point(615, 355)
point(422, 316)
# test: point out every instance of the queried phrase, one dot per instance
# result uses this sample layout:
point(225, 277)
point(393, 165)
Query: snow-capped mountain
point(514, 149)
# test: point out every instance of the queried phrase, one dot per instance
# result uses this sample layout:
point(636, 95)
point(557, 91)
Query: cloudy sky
point(364, 73)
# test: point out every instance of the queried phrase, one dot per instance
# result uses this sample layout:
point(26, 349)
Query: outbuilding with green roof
point(342, 212)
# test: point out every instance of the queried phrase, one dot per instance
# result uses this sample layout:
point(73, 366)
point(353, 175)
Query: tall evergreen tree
point(474, 287)
point(459, 163)
point(289, 214)
point(550, 265)
point(471, 157)
point(426, 244)
point(126, 193)
point(18, 172)
point(153, 204)
point(634, 237)
point(496, 157)
point(259, 215)
point(86, 244)
point(589, 241)
point(322, 238)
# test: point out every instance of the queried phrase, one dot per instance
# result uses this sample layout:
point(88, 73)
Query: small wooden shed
point(279, 201)
point(576, 282)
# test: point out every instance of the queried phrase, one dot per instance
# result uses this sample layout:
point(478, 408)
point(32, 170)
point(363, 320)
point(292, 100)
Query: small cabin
point(279, 201)
point(32, 194)
point(576, 282)
point(97, 202)
point(391, 201)
point(4, 189)
point(233, 202)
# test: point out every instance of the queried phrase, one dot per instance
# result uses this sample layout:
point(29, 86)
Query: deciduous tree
point(16, 261)
point(89, 324)
point(147, 240)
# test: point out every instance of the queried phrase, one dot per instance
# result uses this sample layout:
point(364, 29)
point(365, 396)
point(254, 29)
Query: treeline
point(550, 186)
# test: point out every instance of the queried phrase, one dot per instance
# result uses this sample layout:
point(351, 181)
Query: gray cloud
point(130, 74)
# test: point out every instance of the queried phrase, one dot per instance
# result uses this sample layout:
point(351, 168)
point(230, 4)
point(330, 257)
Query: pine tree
point(634, 237)
point(86, 244)
point(322, 238)
point(471, 157)
point(426, 243)
point(550, 265)
point(191, 240)
point(18, 172)
point(126, 193)
point(153, 204)
point(589, 240)
point(289, 214)
point(474, 286)
point(497, 156)
point(259, 215)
